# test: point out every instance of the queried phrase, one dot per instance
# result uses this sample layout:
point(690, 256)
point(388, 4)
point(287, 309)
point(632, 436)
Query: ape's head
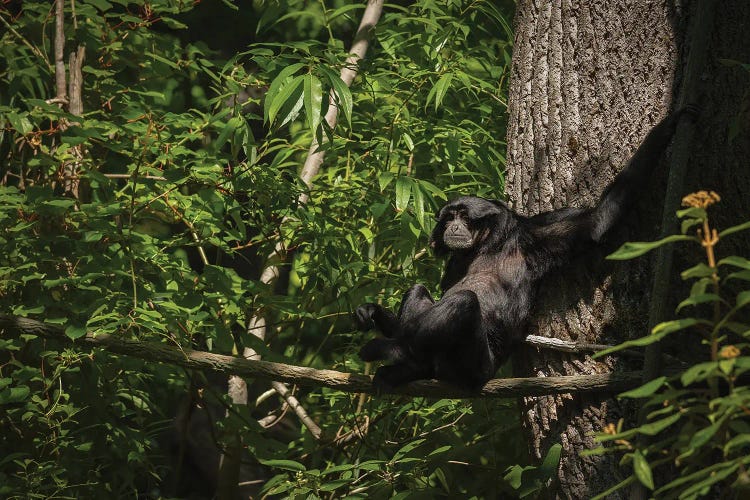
point(470, 223)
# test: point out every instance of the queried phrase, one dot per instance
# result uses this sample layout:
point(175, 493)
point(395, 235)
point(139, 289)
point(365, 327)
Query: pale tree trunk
point(589, 81)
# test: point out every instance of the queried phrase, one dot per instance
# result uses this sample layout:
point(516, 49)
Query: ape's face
point(466, 223)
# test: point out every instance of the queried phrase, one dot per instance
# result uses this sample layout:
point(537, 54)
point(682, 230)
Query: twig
point(129, 176)
point(297, 408)
point(563, 345)
point(60, 49)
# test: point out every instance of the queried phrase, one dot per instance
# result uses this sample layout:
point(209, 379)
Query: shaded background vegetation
point(185, 170)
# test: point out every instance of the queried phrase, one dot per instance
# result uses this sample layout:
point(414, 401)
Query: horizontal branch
point(563, 345)
point(347, 382)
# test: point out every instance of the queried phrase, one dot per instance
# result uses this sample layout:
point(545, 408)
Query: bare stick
point(60, 50)
point(563, 345)
point(75, 107)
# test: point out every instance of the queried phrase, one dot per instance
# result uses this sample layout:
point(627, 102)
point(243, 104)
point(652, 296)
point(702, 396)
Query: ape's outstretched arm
point(559, 233)
point(619, 196)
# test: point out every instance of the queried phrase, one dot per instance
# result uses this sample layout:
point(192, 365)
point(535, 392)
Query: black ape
point(496, 260)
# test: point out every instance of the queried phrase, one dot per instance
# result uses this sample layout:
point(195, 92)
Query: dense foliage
point(150, 216)
point(695, 432)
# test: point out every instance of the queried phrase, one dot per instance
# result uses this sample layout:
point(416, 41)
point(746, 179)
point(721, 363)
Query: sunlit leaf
point(734, 229)
point(313, 100)
point(735, 261)
point(646, 389)
point(403, 192)
point(642, 470)
point(632, 250)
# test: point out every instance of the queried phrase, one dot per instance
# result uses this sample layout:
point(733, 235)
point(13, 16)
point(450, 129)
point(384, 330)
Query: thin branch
point(298, 409)
point(563, 345)
point(75, 107)
point(129, 176)
point(347, 382)
point(60, 49)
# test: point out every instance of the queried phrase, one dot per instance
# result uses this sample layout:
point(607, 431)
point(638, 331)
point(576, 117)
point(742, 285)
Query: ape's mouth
point(458, 241)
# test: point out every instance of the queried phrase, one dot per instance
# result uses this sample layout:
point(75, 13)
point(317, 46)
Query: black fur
point(496, 261)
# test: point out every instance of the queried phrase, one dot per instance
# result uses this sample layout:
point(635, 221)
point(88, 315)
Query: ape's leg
point(388, 377)
point(368, 316)
point(382, 348)
point(443, 340)
point(454, 321)
point(415, 302)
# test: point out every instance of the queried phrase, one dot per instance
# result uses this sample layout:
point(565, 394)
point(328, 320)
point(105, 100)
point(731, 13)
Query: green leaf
point(419, 211)
point(20, 122)
point(659, 332)
point(276, 84)
point(74, 331)
point(734, 229)
point(739, 442)
point(702, 436)
point(698, 299)
point(736, 262)
point(743, 298)
point(284, 464)
point(693, 213)
point(162, 60)
point(688, 223)
point(343, 99)
point(698, 372)
point(14, 394)
point(739, 275)
point(407, 448)
point(636, 249)
point(289, 97)
point(698, 271)
point(343, 10)
point(621, 484)
point(646, 389)
point(313, 100)
point(702, 488)
point(440, 450)
point(441, 87)
point(385, 178)
point(342, 96)
point(694, 478)
point(403, 193)
point(551, 460)
point(676, 325)
point(642, 470)
point(653, 428)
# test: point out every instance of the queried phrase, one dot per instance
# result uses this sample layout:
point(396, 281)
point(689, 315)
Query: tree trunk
point(589, 80)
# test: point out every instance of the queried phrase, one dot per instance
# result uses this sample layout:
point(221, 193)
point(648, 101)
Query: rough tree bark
point(589, 80)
